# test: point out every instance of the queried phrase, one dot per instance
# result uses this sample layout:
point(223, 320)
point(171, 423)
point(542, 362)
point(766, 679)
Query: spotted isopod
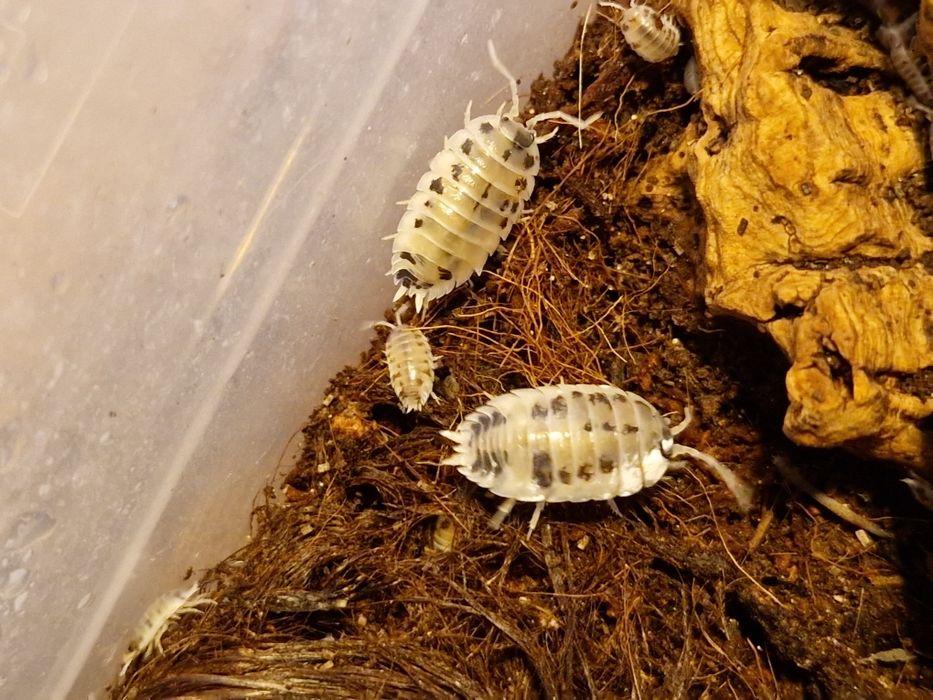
point(652, 35)
point(411, 365)
point(469, 199)
point(571, 442)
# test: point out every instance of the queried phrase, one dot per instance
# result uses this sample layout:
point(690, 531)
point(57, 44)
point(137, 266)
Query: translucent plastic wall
point(192, 196)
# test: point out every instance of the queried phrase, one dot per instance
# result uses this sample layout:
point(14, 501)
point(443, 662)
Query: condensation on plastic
point(192, 199)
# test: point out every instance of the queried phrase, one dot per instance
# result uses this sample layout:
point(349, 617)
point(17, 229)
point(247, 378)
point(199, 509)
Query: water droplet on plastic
point(27, 528)
point(13, 581)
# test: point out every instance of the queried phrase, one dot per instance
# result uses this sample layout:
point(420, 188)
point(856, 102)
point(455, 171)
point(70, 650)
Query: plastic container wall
point(192, 197)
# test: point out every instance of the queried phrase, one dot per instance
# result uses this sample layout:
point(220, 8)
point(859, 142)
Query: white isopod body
point(411, 366)
point(468, 201)
point(571, 442)
point(652, 35)
point(164, 610)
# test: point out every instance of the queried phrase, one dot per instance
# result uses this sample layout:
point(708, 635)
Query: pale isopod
point(469, 199)
point(571, 442)
point(652, 35)
point(158, 617)
point(411, 365)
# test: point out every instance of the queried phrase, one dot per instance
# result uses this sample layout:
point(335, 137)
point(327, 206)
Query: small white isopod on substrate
point(652, 35)
point(572, 442)
point(411, 365)
point(159, 616)
point(471, 196)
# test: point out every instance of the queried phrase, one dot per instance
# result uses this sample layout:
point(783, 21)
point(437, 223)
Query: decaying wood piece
point(808, 234)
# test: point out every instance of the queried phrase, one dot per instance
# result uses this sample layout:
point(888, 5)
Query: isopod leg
point(539, 508)
point(615, 508)
point(502, 512)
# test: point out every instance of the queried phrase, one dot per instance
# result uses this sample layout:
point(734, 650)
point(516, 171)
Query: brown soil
point(343, 593)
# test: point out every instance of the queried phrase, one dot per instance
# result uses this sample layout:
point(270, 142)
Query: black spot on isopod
point(504, 223)
point(565, 475)
point(521, 183)
point(608, 427)
point(506, 154)
point(585, 471)
point(467, 146)
point(515, 206)
point(599, 398)
point(606, 465)
point(419, 223)
point(456, 170)
point(524, 137)
point(559, 406)
point(498, 418)
point(538, 411)
point(529, 162)
point(405, 277)
point(484, 421)
point(437, 185)
point(629, 429)
point(576, 394)
point(486, 191)
point(405, 255)
point(485, 127)
point(444, 274)
point(588, 426)
point(486, 465)
point(542, 472)
point(620, 398)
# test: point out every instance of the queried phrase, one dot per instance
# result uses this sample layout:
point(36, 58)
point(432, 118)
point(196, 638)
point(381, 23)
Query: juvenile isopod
point(468, 201)
point(571, 442)
point(411, 365)
point(652, 35)
point(158, 617)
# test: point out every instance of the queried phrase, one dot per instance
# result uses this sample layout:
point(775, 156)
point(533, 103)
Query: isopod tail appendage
point(742, 492)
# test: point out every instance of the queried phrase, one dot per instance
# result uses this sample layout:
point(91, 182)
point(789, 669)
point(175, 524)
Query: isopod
point(468, 201)
point(158, 617)
point(896, 39)
point(411, 365)
point(571, 442)
point(652, 35)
